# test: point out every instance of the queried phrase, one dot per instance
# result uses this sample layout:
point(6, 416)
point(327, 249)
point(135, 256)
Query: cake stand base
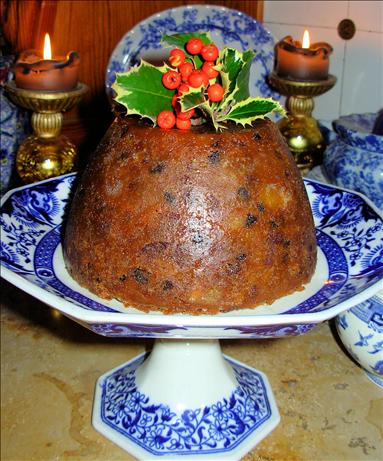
point(185, 399)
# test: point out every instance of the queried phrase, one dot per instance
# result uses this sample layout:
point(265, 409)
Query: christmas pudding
point(194, 220)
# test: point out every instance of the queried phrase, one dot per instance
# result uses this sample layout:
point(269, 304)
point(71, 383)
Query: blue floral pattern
point(356, 130)
point(275, 331)
point(355, 169)
point(134, 329)
point(354, 158)
point(349, 235)
point(14, 126)
point(364, 343)
point(30, 213)
point(227, 27)
point(163, 330)
point(217, 428)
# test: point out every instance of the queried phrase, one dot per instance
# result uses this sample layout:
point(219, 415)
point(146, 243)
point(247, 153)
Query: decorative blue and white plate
point(227, 28)
point(349, 268)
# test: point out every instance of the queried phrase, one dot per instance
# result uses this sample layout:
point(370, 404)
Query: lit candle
point(301, 61)
point(44, 73)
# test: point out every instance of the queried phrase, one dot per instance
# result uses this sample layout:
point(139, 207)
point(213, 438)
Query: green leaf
point(235, 75)
point(241, 91)
point(179, 40)
point(230, 62)
point(193, 98)
point(209, 111)
point(248, 110)
point(141, 91)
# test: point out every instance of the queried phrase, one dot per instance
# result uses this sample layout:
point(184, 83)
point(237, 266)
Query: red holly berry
point(186, 69)
point(198, 78)
point(176, 57)
point(171, 79)
point(174, 100)
point(166, 119)
point(183, 124)
point(208, 68)
point(194, 45)
point(215, 92)
point(184, 115)
point(209, 52)
point(183, 88)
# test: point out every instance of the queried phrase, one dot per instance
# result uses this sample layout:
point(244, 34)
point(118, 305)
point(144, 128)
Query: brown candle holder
point(300, 129)
point(45, 153)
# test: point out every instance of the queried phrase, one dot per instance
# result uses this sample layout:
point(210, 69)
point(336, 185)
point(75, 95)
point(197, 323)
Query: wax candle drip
point(302, 61)
point(37, 72)
point(45, 64)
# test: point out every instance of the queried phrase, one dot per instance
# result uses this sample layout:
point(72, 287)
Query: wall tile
point(327, 106)
point(363, 74)
point(306, 13)
point(367, 15)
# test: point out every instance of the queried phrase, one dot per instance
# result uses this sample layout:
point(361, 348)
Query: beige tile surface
point(363, 74)
point(329, 410)
point(367, 14)
point(325, 13)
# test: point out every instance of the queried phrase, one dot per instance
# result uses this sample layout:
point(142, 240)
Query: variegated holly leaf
point(195, 98)
point(229, 62)
point(192, 99)
point(235, 75)
point(141, 91)
point(246, 111)
point(241, 90)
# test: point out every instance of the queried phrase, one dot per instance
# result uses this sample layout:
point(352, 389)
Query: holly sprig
point(143, 90)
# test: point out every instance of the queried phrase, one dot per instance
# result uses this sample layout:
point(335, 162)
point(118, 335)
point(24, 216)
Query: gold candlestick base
point(46, 153)
point(300, 129)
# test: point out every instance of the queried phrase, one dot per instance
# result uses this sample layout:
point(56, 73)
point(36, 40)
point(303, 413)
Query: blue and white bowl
point(357, 130)
point(355, 158)
point(14, 126)
point(361, 331)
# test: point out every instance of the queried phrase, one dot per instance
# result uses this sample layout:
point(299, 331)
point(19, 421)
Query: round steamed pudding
point(192, 221)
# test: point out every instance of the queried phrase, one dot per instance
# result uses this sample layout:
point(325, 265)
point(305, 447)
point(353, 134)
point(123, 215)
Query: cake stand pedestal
point(185, 399)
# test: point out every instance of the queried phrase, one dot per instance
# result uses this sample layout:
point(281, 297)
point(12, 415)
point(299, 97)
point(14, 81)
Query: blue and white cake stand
point(186, 399)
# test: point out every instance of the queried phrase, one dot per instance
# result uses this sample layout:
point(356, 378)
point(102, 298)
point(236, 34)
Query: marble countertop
point(330, 411)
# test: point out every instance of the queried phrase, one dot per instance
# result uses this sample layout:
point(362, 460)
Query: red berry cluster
point(185, 76)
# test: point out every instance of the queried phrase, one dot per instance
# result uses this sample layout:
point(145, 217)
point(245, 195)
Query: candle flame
point(306, 39)
point(47, 47)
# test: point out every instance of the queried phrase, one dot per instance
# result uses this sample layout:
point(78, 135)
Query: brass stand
point(300, 129)
point(45, 153)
